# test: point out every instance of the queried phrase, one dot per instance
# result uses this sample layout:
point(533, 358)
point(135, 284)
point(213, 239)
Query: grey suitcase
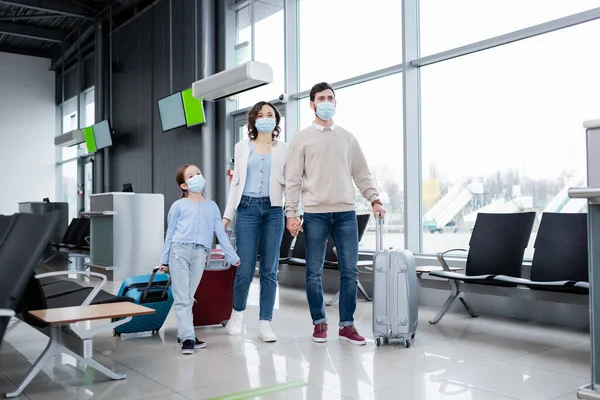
point(395, 293)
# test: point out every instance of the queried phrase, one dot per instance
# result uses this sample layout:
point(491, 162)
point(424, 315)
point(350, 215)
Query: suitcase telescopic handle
point(151, 280)
point(378, 232)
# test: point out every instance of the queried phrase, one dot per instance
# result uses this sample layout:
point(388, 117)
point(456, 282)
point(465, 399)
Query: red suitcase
point(214, 297)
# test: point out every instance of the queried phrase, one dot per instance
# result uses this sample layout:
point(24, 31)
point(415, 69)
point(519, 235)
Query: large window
point(502, 131)
point(447, 24)
point(69, 123)
point(339, 39)
point(372, 112)
point(269, 47)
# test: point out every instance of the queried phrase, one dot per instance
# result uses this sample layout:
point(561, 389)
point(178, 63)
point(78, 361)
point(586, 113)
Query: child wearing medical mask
point(192, 221)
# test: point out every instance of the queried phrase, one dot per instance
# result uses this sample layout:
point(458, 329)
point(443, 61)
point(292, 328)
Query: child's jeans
point(186, 265)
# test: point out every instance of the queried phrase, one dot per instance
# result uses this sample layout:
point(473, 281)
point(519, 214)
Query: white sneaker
point(235, 323)
point(265, 333)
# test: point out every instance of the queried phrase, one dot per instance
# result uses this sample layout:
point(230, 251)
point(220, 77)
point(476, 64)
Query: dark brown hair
point(180, 178)
point(319, 87)
point(253, 113)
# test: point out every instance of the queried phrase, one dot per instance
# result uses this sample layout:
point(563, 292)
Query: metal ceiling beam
point(14, 17)
point(24, 51)
point(60, 58)
point(51, 6)
point(32, 32)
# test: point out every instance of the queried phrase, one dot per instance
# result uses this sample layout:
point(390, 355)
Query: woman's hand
point(226, 222)
point(163, 268)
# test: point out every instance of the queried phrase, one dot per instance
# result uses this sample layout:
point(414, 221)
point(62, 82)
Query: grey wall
point(142, 154)
point(27, 129)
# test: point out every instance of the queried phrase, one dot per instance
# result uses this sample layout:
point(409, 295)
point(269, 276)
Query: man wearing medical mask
point(324, 162)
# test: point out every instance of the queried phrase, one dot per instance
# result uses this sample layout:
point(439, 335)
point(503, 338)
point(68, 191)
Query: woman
point(256, 193)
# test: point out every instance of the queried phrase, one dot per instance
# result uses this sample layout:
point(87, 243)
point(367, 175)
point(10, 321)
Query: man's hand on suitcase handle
point(378, 209)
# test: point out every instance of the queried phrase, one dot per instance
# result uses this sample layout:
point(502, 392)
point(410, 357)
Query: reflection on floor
point(461, 359)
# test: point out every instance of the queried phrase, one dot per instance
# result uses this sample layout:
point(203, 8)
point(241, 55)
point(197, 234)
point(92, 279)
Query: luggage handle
point(378, 232)
point(151, 280)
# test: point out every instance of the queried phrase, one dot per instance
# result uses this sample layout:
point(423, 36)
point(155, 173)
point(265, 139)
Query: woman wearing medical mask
point(256, 195)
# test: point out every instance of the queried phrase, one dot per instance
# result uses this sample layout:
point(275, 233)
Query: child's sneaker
point(198, 345)
point(187, 347)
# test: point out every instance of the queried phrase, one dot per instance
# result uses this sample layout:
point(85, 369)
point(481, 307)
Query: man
point(323, 162)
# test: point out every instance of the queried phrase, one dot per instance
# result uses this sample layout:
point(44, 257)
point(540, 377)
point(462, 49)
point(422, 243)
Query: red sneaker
point(350, 334)
point(320, 333)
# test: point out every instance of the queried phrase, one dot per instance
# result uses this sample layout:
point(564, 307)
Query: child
point(191, 223)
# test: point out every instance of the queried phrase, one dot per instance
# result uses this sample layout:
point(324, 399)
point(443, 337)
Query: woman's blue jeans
point(257, 225)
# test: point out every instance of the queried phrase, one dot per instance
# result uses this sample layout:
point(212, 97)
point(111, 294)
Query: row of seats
point(497, 247)
point(51, 305)
point(23, 239)
point(75, 239)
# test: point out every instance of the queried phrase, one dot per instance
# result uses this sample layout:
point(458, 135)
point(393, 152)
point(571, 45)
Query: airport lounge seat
point(77, 237)
point(496, 247)
point(23, 238)
point(560, 261)
point(51, 305)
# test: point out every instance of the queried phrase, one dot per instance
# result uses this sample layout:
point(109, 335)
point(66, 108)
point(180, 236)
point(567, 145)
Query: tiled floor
point(460, 359)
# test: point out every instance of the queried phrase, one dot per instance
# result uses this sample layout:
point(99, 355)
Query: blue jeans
point(344, 229)
point(257, 222)
point(186, 266)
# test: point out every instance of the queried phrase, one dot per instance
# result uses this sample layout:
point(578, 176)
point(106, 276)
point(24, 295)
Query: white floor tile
point(461, 358)
point(518, 381)
point(566, 360)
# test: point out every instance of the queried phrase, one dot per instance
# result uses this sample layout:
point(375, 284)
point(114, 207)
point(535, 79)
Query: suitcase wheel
point(155, 331)
point(407, 343)
point(116, 334)
point(412, 336)
point(379, 341)
point(224, 323)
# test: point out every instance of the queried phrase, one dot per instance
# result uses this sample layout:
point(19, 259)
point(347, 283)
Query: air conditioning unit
point(233, 81)
point(69, 139)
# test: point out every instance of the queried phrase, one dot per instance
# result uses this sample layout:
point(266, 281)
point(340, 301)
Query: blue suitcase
point(153, 291)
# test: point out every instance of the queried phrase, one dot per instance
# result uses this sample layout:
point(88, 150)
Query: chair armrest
point(87, 239)
point(442, 260)
point(92, 294)
point(4, 312)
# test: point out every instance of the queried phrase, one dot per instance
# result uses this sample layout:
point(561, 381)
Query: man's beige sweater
point(324, 166)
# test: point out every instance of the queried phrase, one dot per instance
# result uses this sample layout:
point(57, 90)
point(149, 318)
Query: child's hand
point(237, 264)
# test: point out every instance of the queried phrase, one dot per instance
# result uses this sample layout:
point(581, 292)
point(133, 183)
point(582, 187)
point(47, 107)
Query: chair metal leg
point(56, 254)
point(455, 293)
point(101, 368)
point(334, 299)
point(51, 350)
point(364, 292)
point(467, 307)
point(55, 348)
point(444, 308)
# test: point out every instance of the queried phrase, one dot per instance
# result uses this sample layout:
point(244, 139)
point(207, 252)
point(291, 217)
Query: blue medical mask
point(325, 110)
point(265, 125)
point(196, 184)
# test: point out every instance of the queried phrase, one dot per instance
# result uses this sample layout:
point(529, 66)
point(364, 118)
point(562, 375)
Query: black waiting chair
point(496, 247)
point(286, 246)
point(23, 244)
point(560, 261)
point(21, 292)
point(75, 238)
